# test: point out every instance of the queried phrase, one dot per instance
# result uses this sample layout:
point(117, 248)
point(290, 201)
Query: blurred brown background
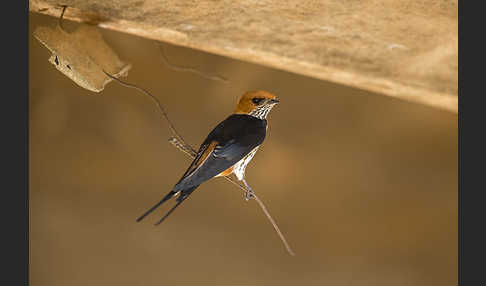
point(364, 186)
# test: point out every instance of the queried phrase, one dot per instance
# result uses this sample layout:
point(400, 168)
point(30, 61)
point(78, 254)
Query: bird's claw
point(248, 195)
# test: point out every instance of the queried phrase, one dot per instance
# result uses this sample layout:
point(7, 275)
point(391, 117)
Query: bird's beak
point(273, 101)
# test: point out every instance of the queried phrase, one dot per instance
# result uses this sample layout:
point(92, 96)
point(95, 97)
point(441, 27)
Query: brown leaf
point(82, 55)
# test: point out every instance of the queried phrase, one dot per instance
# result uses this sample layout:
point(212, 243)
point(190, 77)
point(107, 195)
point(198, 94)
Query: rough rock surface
point(402, 48)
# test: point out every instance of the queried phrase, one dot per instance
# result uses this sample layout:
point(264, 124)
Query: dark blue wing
point(227, 144)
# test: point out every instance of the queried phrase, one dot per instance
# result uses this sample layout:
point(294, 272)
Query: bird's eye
point(257, 100)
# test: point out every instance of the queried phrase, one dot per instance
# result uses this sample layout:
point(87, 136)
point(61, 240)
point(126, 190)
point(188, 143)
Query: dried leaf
point(82, 55)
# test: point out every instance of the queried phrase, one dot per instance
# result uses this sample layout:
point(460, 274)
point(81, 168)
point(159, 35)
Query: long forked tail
point(167, 197)
point(184, 194)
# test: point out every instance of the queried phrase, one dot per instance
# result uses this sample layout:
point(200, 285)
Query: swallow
point(227, 149)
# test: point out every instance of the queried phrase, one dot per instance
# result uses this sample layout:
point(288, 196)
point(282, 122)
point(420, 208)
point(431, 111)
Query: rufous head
point(256, 103)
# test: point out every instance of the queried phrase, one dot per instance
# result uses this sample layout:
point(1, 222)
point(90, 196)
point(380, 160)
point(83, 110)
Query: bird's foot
point(249, 194)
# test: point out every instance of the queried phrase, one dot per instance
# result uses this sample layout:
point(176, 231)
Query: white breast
point(239, 168)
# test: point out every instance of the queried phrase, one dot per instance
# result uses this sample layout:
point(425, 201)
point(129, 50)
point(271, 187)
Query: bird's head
point(256, 103)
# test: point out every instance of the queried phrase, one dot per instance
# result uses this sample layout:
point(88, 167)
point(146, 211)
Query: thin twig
point(184, 147)
point(188, 69)
point(264, 209)
point(179, 142)
point(64, 7)
point(171, 126)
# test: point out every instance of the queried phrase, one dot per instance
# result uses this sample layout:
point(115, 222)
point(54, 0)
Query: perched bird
point(227, 149)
